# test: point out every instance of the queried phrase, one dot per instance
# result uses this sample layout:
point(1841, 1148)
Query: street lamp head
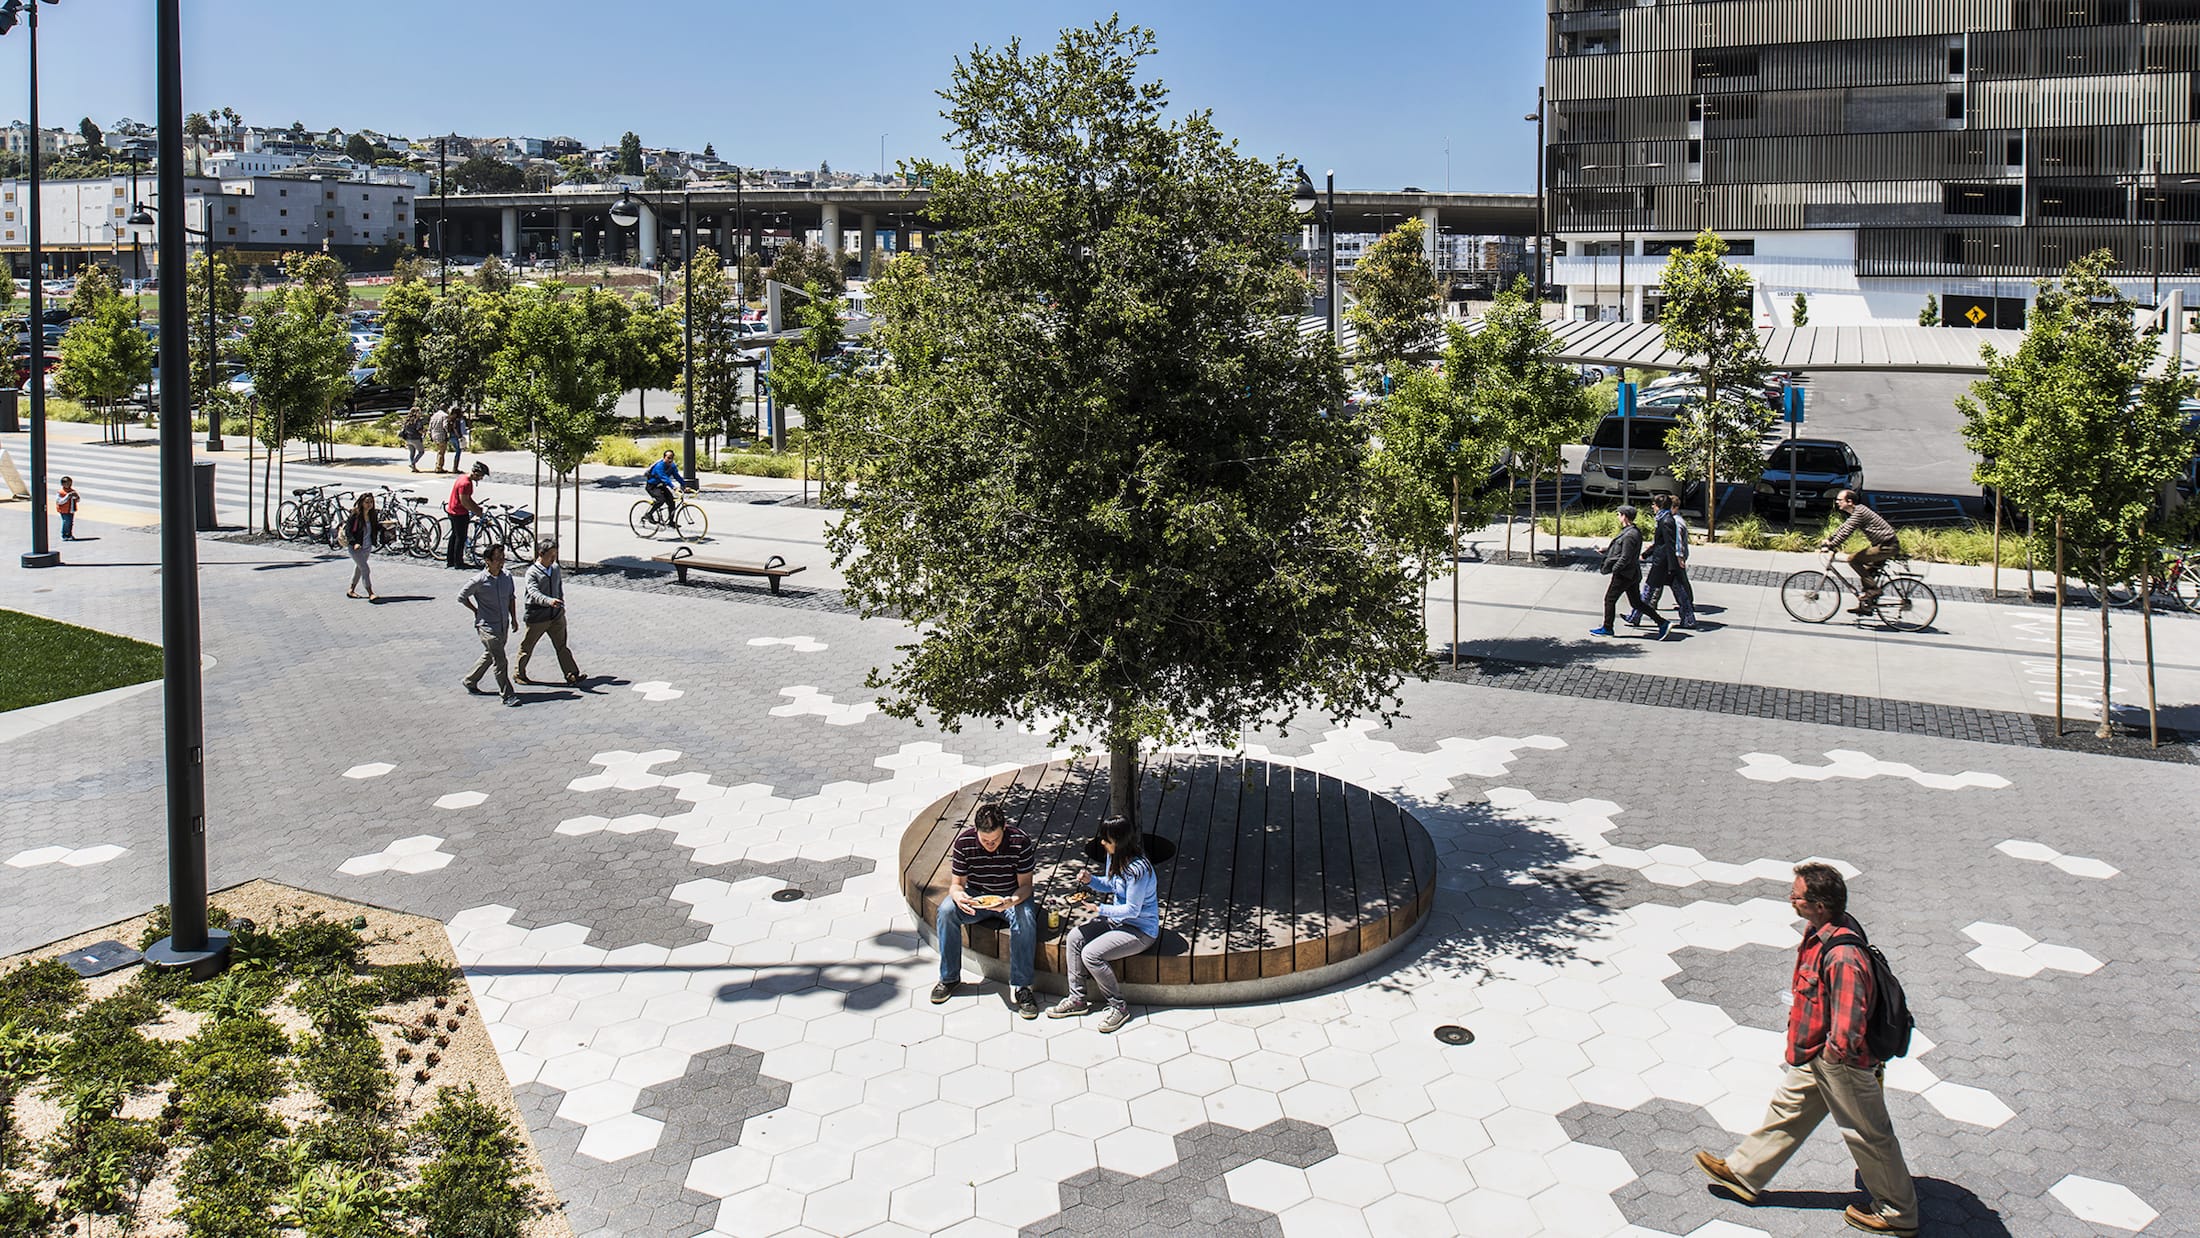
point(141, 217)
point(1302, 198)
point(626, 210)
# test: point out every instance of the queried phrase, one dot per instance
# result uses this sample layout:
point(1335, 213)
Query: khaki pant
point(555, 630)
point(492, 656)
point(1858, 1103)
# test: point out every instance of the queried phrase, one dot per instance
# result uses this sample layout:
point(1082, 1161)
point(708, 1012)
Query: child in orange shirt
point(66, 505)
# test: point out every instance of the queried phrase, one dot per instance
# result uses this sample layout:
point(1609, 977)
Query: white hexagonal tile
point(461, 799)
point(617, 1138)
point(2103, 1203)
point(1136, 1152)
point(931, 1206)
point(1267, 1186)
point(372, 769)
point(1969, 1105)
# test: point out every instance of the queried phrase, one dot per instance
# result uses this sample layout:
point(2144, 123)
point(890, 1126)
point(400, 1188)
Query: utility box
point(202, 492)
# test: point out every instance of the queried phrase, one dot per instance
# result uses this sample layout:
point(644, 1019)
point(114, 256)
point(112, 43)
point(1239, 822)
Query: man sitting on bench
point(993, 866)
point(663, 483)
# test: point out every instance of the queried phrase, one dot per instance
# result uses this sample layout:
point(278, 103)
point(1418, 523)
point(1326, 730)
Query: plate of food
point(989, 902)
point(1077, 897)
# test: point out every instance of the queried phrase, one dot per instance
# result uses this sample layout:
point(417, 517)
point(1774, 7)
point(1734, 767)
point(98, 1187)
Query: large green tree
point(1397, 313)
point(2077, 426)
point(482, 174)
point(1106, 481)
point(629, 162)
point(798, 265)
point(1707, 317)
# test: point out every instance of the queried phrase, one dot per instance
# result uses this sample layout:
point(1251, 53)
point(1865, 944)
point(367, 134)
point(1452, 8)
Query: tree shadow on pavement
point(1513, 655)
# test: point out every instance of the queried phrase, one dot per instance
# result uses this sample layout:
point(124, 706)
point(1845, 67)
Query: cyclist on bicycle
point(1881, 545)
point(663, 483)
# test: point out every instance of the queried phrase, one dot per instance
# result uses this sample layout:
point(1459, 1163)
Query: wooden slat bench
point(1277, 880)
point(683, 559)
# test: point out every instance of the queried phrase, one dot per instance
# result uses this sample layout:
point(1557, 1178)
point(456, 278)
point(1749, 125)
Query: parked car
point(1627, 458)
point(369, 397)
point(1820, 468)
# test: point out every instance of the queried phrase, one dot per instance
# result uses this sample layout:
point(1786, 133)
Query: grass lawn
point(41, 661)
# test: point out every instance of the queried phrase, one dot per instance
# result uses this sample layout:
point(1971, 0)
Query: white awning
point(1951, 350)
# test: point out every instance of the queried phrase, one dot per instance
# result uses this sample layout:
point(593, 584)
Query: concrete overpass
point(577, 222)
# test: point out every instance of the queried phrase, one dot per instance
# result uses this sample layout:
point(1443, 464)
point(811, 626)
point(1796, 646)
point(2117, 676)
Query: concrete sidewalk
point(1977, 654)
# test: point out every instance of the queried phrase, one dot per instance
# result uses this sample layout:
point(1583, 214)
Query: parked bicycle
point(406, 528)
point(502, 524)
point(1905, 602)
point(688, 522)
point(2178, 577)
point(309, 514)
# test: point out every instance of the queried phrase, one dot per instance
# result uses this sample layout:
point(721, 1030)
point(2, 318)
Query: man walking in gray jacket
point(490, 597)
point(1623, 563)
point(546, 611)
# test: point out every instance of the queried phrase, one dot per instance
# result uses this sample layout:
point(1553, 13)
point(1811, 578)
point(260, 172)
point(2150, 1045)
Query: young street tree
point(716, 331)
point(1533, 406)
point(104, 357)
point(1707, 317)
point(807, 377)
point(555, 379)
point(1799, 312)
point(2075, 426)
point(798, 265)
point(204, 361)
point(1105, 477)
point(300, 360)
point(1397, 311)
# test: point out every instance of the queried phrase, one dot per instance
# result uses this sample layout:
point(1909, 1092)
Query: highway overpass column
point(647, 227)
point(1428, 235)
point(511, 231)
point(867, 243)
point(565, 233)
point(828, 230)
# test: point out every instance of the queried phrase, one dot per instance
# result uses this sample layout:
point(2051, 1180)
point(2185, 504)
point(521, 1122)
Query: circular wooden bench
point(1281, 880)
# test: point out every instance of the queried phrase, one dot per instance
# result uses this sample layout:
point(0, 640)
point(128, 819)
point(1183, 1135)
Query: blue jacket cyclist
point(663, 483)
point(1127, 922)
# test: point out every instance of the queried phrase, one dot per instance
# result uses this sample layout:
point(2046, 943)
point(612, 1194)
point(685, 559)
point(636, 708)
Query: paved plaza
point(1611, 923)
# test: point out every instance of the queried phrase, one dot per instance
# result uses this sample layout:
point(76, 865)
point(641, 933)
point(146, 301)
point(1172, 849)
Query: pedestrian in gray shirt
point(490, 597)
point(546, 611)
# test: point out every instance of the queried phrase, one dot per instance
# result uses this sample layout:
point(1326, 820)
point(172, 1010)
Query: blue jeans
point(68, 526)
point(1023, 940)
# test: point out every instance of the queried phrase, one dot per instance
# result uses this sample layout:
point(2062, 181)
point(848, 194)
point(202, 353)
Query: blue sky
point(1374, 93)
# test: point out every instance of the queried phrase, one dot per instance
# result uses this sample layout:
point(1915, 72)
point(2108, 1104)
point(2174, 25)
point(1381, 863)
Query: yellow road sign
point(1976, 315)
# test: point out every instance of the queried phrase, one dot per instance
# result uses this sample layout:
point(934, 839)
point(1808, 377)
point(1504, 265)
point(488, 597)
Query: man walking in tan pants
point(1830, 1069)
point(545, 612)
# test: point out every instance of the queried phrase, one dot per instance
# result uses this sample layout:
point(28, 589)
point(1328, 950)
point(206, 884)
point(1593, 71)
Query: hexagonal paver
point(2103, 1203)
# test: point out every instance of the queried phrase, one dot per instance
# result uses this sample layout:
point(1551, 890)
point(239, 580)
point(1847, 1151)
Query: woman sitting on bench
point(1126, 923)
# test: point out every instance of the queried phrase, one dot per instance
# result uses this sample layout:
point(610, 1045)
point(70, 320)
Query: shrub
point(471, 1186)
point(228, 1187)
point(40, 995)
point(621, 452)
point(336, 1006)
point(317, 945)
point(759, 463)
point(332, 1201)
point(402, 982)
point(348, 1141)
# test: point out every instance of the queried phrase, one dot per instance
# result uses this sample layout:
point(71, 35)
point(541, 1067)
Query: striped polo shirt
point(993, 872)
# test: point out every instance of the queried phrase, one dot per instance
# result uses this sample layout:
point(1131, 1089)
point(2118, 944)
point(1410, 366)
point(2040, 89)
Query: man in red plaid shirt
point(1830, 1070)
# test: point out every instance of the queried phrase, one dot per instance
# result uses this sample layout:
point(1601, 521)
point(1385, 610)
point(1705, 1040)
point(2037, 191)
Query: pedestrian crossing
point(127, 478)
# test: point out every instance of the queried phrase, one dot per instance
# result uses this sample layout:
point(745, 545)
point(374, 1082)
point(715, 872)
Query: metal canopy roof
point(1948, 350)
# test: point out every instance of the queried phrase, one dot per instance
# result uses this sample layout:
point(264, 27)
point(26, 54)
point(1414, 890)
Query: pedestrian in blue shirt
point(1127, 922)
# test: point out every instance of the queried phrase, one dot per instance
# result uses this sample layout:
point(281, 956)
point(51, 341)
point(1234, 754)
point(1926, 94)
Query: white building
point(261, 217)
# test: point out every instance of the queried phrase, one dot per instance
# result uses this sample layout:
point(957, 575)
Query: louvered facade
point(1871, 153)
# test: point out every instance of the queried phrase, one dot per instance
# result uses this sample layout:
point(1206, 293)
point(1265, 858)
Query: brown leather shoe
point(1873, 1223)
point(1714, 1168)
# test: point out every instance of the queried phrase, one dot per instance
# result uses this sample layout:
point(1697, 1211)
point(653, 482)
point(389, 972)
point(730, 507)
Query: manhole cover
point(788, 895)
point(1453, 1034)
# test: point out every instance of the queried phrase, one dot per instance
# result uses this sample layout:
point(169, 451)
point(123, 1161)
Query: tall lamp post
point(1303, 200)
point(190, 946)
point(1540, 227)
point(41, 553)
point(626, 212)
point(442, 213)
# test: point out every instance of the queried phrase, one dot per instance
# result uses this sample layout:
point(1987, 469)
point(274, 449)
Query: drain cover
point(788, 895)
point(100, 958)
point(1453, 1034)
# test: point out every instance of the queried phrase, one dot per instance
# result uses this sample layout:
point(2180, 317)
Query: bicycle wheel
point(637, 519)
point(422, 537)
point(519, 541)
point(287, 519)
point(1907, 604)
point(1812, 597)
point(482, 534)
point(694, 524)
point(2122, 593)
point(2186, 586)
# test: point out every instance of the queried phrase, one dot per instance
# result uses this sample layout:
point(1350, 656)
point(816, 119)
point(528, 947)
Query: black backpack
point(1888, 1024)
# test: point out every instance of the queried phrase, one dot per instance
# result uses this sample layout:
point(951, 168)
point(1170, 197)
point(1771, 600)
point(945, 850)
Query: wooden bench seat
point(683, 559)
point(1274, 880)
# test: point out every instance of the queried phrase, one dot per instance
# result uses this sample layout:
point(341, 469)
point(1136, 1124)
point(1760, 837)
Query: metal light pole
point(41, 553)
point(626, 212)
point(1329, 225)
point(190, 945)
point(442, 212)
point(1540, 225)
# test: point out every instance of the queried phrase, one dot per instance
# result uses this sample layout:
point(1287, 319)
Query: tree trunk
point(1711, 466)
point(1122, 776)
point(1535, 472)
point(1512, 509)
point(2107, 729)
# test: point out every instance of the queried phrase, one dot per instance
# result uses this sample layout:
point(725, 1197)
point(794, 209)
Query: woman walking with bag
point(360, 530)
point(1127, 923)
point(413, 434)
